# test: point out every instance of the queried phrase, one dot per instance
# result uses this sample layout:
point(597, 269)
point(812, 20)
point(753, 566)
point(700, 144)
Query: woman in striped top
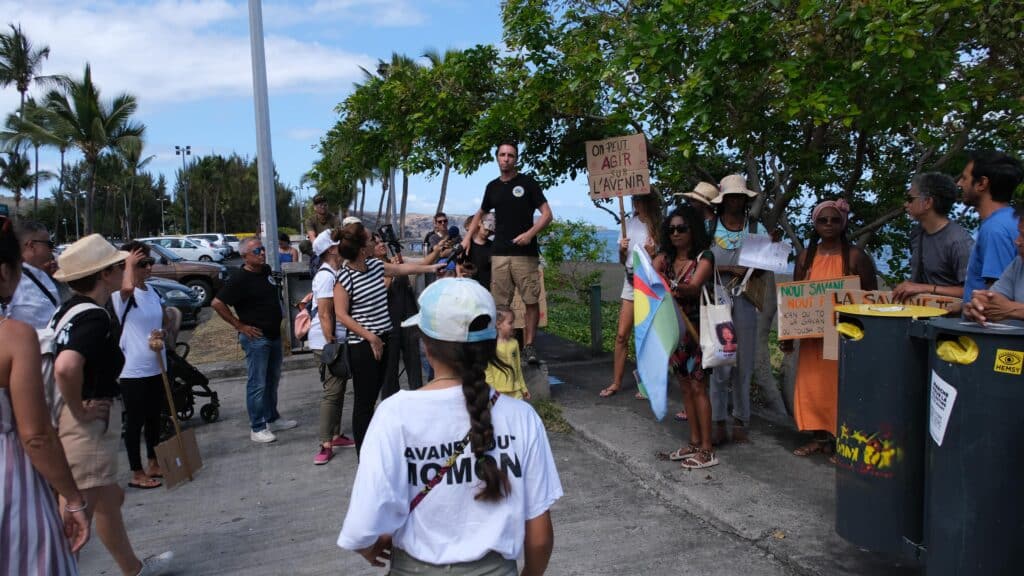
point(32, 538)
point(361, 304)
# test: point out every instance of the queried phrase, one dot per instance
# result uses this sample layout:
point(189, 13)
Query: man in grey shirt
point(939, 247)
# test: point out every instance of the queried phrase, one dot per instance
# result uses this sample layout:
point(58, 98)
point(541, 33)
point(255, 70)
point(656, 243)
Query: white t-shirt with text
point(323, 287)
point(145, 316)
point(411, 436)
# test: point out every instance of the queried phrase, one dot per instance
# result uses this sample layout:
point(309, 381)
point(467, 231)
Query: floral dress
point(686, 360)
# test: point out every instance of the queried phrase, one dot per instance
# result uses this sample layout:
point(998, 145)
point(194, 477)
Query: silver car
point(217, 241)
point(187, 248)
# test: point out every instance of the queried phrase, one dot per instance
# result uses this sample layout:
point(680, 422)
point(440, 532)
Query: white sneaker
point(264, 436)
point(281, 424)
point(156, 565)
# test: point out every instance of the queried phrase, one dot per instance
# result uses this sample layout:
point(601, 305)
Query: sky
point(188, 63)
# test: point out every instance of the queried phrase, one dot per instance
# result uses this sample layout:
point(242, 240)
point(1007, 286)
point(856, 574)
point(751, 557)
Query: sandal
point(681, 416)
point(813, 447)
point(702, 459)
point(608, 392)
point(684, 453)
point(146, 484)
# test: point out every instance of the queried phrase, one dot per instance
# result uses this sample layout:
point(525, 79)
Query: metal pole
point(163, 228)
point(77, 234)
point(264, 155)
point(185, 151)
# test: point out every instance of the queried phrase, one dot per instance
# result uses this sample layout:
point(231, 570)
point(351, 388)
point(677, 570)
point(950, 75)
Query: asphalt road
point(266, 510)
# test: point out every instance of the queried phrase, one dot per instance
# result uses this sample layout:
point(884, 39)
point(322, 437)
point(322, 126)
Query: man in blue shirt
point(987, 183)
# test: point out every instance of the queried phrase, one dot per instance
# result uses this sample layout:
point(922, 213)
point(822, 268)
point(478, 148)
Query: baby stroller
point(186, 384)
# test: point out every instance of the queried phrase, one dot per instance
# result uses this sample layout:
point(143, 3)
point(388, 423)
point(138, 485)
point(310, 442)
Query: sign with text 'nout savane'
point(618, 167)
point(804, 306)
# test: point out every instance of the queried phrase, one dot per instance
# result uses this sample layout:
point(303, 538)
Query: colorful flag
point(655, 327)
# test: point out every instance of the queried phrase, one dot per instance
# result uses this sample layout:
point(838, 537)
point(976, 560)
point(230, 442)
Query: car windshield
point(230, 238)
point(163, 252)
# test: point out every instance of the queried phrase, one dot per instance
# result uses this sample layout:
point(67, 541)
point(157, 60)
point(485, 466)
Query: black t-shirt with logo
point(95, 335)
point(255, 298)
point(514, 203)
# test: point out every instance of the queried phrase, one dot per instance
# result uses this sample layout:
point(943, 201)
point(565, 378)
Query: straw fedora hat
point(734, 184)
point(87, 256)
point(704, 192)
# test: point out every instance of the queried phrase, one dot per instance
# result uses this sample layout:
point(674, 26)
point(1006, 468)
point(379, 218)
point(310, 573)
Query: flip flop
point(681, 416)
point(146, 484)
point(640, 396)
point(608, 392)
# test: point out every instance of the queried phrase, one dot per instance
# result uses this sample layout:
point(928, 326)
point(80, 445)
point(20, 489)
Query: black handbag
point(335, 358)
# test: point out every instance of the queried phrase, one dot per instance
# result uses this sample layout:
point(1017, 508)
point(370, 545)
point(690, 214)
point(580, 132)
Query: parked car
point(232, 241)
point(215, 241)
point(186, 248)
point(177, 295)
point(204, 279)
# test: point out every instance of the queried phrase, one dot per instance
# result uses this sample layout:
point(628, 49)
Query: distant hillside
point(418, 225)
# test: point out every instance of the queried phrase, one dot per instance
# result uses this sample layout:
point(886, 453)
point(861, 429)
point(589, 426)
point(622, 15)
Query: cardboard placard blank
point(179, 461)
point(803, 306)
point(618, 167)
point(830, 349)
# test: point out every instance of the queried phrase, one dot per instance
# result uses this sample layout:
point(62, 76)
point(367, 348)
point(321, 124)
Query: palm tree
point(22, 130)
point(78, 115)
point(20, 63)
point(131, 155)
point(16, 175)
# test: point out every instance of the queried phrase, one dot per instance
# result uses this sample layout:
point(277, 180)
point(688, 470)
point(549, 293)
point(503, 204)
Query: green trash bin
point(975, 463)
point(880, 443)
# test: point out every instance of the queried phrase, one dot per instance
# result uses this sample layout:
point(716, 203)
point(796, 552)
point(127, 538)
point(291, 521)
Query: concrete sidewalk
point(760, 492)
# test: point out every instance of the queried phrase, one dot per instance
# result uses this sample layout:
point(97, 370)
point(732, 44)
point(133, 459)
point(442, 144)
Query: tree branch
point(598, 203)
point(877, 223)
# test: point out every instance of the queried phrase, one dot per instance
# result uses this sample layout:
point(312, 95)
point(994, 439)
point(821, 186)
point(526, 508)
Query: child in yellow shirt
point(508, 381)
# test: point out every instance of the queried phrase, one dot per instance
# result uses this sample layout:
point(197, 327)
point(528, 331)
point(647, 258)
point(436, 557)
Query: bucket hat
point(87, 256)
point(703, 192)
point(734, 184)
point(448, 307)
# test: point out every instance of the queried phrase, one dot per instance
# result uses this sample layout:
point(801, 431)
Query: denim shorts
point(493, 564)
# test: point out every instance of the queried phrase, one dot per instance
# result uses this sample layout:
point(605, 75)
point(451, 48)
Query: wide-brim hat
point(704, 192)
point(733, 184)
point(87, 256)
point(449, 306)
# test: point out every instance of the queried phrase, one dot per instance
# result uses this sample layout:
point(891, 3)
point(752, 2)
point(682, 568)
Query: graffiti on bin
point(872, 455)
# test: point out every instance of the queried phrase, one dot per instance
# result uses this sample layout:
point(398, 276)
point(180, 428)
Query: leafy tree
point(569, 247)
point(20, 62)
point(78, 115)
point(17, 176)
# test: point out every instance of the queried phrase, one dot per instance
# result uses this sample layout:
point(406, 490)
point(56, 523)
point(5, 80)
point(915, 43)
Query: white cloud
point(175, 50)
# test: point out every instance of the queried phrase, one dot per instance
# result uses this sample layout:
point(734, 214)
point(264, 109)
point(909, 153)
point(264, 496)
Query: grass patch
point(214, 341)
point(551, 414)
point(570, 319)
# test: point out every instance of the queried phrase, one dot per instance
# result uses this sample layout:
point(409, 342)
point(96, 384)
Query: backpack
point(48, 348)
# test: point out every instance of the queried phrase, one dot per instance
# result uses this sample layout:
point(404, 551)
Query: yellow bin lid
point(891, 310)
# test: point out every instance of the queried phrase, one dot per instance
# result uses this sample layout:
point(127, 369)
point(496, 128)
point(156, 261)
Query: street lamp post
point(76, 194)
point(163, 229)
point(184, 151)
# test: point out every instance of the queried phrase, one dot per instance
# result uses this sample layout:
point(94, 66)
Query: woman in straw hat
point(486, 515)
point(731, 227)
point(86, 368)
point(701, 198)
point(829, 254)
point(31, 456)
point(641, 230)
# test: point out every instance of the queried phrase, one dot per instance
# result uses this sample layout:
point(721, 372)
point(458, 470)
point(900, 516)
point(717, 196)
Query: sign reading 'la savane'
point(618, 166)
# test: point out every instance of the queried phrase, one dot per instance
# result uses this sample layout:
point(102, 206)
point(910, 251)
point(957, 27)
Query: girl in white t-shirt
point(641, 230)
point(140, 312)
point(453, 475)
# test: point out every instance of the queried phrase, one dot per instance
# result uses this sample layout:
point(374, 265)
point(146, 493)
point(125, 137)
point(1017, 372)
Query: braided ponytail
point(472, 359)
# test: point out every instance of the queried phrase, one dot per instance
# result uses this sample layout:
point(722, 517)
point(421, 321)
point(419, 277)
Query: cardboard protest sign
point(179, 458)
point(803, 306)
point(830, 350)
point(617, 167)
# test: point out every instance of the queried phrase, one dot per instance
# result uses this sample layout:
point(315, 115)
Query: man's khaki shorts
point(92, 448)
point(511, 273)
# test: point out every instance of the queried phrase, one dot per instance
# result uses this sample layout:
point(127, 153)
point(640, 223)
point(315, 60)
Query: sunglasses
point(681, 229)
point(49, 243)
point(829, 220)
point(145, 263)
point(257, 251)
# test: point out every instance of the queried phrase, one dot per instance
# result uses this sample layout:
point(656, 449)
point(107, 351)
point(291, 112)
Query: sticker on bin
point(1009, 361)
point(941, 406)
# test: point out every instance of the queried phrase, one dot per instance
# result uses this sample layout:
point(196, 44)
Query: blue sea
point(610, 239)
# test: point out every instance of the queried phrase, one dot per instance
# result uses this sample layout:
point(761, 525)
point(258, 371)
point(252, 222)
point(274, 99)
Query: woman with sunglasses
point(687, 264)
point(829, 254)
point(641, 230)
point(139, 312)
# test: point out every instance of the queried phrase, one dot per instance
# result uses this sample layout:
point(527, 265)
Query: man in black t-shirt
point(253, 292)
point(514, 197)
point(432, 239)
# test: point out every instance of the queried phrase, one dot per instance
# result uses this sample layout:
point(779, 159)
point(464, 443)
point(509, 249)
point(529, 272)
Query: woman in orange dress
point(829, 255)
